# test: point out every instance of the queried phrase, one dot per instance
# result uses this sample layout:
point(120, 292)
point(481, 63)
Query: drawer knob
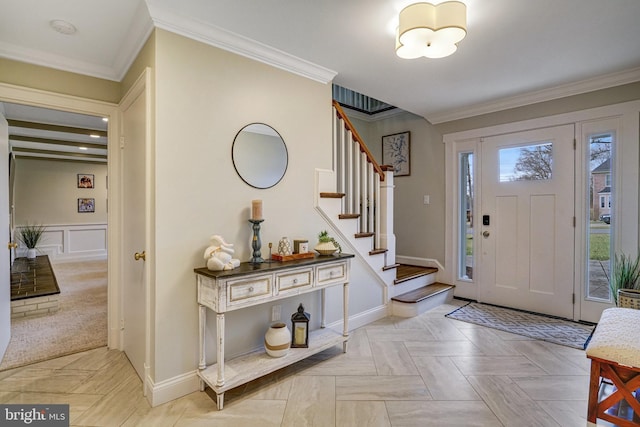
point(295, 281)
point(251, 289)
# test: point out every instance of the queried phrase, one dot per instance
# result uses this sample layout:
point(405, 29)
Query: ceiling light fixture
point(432, 31)
point(82, 148)
point(63, 27)
point(105, 119)
point(93, 135)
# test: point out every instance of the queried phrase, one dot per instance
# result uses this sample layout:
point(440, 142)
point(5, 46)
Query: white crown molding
point(50, 60)
point(139, 31)
point(576, 88)
point(249, 48)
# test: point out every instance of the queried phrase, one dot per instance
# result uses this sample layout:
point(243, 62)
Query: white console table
point(254, 284)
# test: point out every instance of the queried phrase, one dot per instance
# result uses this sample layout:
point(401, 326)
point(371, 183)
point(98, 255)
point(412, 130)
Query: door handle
point(12, 245)
point(140, 256)
point(485, 234)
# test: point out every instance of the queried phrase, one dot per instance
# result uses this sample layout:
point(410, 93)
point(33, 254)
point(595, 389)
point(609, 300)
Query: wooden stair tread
point(407, 272)
point(348, 216)
point(332, 195)
point(360, 235)
point(389, 267)
point(377, 251)
point(422, 293)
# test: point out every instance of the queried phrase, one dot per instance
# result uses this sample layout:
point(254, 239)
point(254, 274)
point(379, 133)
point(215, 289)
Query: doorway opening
point(59, 181)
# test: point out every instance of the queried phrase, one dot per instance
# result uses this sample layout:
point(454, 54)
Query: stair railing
point(361, 179)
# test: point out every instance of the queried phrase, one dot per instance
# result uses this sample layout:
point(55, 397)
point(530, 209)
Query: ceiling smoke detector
point(63, 27)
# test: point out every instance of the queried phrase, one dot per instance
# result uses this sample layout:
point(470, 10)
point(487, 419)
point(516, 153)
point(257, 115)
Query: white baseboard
point(362, 319)
point(171, 389)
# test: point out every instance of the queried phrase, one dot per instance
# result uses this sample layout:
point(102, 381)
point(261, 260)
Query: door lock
point(140, 256)
point(485, 234)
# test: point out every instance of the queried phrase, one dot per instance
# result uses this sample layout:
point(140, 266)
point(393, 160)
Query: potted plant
point(625, 281)
point(30, 235)
point(327, 245)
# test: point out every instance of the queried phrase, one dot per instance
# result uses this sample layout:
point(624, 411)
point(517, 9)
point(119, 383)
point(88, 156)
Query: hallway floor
point(427, 370)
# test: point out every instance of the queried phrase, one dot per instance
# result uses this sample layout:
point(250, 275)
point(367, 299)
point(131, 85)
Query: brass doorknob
point(12, 245)
point(138, 256)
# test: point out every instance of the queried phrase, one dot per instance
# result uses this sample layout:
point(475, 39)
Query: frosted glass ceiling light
point(432, 31)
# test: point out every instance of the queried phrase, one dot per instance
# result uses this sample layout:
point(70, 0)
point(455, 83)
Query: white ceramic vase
point(277, 340)
point(31, 253)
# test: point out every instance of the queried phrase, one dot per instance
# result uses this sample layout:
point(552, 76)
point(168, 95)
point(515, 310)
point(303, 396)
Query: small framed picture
point(396, 151)
point(86, 205)
point(85, 180)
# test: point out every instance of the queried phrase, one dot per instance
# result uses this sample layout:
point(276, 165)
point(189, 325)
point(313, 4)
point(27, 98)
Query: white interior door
point(5, 273)
point(527, 225)
point(134, 227)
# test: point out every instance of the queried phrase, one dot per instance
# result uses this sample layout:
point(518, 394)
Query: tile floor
point(424, 371)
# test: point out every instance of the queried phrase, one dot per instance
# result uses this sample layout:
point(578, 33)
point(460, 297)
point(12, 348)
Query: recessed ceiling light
point(82, 148)
point(93, 135)
point(63, 27)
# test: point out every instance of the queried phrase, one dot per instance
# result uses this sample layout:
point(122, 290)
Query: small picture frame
point(85, 180)
point(396, 151)
point(86, 205)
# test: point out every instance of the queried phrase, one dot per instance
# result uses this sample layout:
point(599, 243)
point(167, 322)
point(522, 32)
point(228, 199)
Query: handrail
point(356, 137)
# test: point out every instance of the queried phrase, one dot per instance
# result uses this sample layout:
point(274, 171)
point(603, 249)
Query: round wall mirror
point(259, 155)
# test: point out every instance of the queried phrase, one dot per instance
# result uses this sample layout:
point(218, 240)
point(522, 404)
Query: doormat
point(532, 325)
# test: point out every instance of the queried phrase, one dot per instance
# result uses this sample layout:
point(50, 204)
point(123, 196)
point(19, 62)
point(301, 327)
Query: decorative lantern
point(300, 328)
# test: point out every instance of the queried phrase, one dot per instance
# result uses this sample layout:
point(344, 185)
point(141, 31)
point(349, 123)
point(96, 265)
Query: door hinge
point(573, 298)
point(122, 142)
point(122, 324)
point(574, 222)
point(575, 143)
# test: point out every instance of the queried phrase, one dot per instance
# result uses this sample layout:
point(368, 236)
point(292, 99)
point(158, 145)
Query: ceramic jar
point(277, 340)
point(325, 248)
point(284, 246)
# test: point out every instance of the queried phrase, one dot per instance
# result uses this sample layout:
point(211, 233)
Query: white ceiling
point(516, 51)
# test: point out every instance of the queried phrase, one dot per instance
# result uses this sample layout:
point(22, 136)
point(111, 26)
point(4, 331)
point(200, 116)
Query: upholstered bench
point(614, 351)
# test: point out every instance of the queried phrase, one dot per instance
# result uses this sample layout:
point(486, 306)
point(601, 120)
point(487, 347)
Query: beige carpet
point(80, 323)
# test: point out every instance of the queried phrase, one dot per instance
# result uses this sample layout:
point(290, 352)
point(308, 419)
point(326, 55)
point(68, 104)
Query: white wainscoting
point(70, 242)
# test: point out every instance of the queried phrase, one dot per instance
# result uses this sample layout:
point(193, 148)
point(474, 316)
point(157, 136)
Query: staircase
point(356, 200)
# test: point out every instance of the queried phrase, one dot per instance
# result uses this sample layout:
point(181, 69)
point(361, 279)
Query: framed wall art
point(86, 205)
point(396, 151)
point(85, 180)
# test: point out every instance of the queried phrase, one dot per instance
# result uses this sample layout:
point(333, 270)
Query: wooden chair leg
point(594, 388)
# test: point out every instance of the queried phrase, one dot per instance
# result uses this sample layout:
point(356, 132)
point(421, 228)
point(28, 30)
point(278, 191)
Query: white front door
point(5, 281)
point(134, 227)
point(526, 229)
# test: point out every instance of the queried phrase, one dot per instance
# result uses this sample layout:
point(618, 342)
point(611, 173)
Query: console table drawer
point(255, 288)
point(331, 273)
point(294, 279)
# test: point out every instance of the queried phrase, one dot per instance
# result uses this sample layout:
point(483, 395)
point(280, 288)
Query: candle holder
point(256, 244)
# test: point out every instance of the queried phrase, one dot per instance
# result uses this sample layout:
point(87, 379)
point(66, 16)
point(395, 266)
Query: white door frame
point(45, 99)
point(626, 232)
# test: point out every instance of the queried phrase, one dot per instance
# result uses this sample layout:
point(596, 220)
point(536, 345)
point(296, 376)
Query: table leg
point(202, 317)
point(220, 401)
point(323, 310)
point(220, 358)
point(345, 314)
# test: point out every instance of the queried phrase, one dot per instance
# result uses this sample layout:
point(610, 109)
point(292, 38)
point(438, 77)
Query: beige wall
point(598, 98)
point(46, 192)
point(37, 77)
point(204, 96)
point(419, 228)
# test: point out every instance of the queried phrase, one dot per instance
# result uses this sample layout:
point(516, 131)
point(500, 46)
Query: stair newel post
point(385, 221)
